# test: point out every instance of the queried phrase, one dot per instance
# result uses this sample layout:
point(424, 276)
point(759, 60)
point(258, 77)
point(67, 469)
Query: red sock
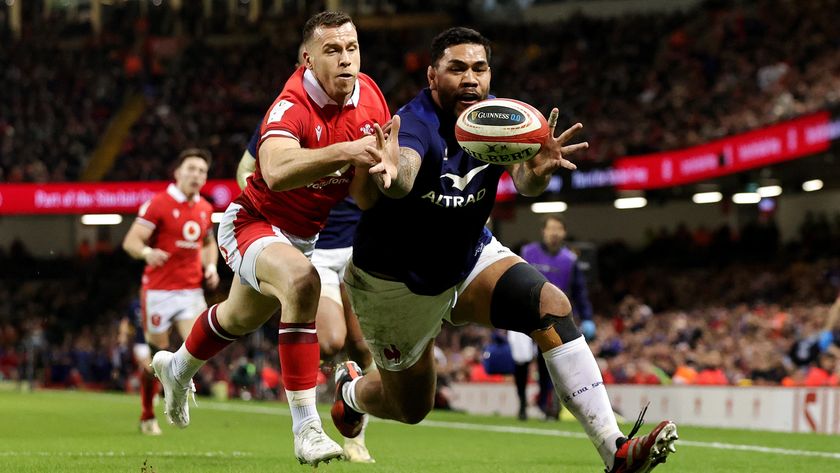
point(299, 355)
point(148, 389)
point(207, 337)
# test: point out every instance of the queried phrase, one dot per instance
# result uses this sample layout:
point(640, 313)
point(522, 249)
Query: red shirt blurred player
point(318, 144)
point(174, 236)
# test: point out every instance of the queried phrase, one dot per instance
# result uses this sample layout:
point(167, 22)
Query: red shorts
point(243, 236)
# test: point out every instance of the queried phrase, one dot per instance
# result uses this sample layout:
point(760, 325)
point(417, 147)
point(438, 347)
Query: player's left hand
point(553, 153)
point(387, 152)
point(211, 276)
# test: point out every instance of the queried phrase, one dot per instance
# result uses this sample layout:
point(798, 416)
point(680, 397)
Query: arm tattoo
point(407, 170)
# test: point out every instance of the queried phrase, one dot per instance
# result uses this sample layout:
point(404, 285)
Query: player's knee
point(304, 288)
point(554, 301)
point(524, 301)
point(331, 344)
point(415, 412)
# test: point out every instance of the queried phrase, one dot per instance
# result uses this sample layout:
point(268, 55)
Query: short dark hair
point(194, 153)
point(455, 36)
point(556, 218)
point(325, 18)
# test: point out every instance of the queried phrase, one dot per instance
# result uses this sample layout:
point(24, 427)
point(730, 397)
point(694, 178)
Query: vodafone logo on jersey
point(190, 231)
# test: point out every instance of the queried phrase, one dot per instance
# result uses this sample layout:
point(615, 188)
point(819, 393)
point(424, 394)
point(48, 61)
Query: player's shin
point(206, 339)
point(578, 382)
point(299, 358)
point(148, 389)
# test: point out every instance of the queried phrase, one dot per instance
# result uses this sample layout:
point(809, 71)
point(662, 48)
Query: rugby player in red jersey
point(317, 146)
point(174, 236)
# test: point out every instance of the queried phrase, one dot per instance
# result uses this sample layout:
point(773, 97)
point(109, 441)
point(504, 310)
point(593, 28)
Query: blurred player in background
point(336, 324)
point(561, 267)
point(422, 254)
point(315, 136)
point(174, 236)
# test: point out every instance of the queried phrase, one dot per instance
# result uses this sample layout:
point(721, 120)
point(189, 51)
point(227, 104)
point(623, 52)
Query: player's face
point(333, 56)
point(191, 175)
point(461, 77)
point(554, 233)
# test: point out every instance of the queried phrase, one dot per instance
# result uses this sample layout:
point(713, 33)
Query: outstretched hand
point(552, 155)
point(386, 153)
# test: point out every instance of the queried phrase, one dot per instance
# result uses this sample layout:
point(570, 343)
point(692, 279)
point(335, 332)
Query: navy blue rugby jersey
point(341, 223)
point(430, 239)
point(255, 140)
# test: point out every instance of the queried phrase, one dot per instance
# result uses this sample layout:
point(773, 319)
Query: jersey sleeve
point(414, 134)
point(287, 118)
point(149, 214)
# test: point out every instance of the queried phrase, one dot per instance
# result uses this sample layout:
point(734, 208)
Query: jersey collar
point(320, 97)
point(179, 196)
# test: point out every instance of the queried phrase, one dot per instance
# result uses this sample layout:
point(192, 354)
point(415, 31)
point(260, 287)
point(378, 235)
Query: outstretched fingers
point(552, 120)
point(570, 132)
point(572, 149)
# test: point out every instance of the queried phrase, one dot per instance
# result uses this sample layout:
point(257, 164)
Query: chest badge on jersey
point(461, 182)
point(367, 128)
point(176, 213)
point(318, 131)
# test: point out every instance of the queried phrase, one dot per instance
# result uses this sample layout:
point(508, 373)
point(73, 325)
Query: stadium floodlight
point(549, 207)
point(812, 185)
point(216, 217)
point(746, 198)
point(623, 203)
point(769, 191)
point(101, 219)
point(707, 197)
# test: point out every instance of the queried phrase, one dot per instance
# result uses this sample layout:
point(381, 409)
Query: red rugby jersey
point(305, 112)
point(180, 226)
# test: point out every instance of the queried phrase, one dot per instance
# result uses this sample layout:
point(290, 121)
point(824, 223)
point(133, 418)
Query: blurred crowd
point(739, 320)
point(638, 83)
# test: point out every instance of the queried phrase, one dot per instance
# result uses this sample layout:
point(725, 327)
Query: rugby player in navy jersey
point(421, 255)
point(336, 324)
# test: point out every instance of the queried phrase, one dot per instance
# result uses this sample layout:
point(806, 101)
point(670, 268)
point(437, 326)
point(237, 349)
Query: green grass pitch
point(59, 431)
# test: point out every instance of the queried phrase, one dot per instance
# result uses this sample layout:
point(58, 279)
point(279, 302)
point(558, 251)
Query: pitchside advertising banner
point(124, 197)
point(779, 409)
point(800, 137)
point(803, 136)
point(97, 197)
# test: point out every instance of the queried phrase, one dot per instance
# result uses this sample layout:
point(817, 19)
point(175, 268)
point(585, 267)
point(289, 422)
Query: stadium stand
point(738, 322)
point(677, 79)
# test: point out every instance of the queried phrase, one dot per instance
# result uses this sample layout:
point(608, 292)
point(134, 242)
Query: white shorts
point(331, 264)
point(161, 308)
point(397, 323)
point(242, 237)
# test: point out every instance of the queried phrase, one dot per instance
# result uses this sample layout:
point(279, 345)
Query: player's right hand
point(156, 257)
point(357, 154)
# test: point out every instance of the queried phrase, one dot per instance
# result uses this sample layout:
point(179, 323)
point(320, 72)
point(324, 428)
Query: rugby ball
point(501, 131)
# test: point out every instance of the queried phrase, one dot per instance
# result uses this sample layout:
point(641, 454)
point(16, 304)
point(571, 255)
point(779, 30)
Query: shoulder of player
point(161, 198)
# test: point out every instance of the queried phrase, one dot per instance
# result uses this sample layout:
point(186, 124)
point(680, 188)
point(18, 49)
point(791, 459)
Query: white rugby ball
point(501, 131)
